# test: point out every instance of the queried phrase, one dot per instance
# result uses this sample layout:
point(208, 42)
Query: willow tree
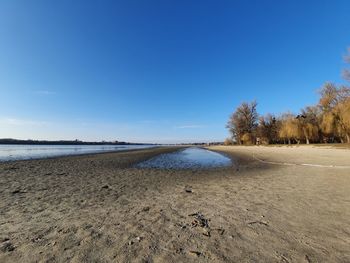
point(242, 123)
point(343, 107)
point(343, 113)
point(334, 104)
point(308, 122)
point(290, 128)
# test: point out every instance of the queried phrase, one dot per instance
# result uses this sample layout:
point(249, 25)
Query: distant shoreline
point(17, 152)
point(65, 142)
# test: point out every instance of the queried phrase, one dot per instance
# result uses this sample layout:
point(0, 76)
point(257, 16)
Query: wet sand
point(99, 208)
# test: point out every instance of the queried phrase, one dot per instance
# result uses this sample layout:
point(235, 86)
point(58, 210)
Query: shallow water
point(189, 158)
point(9, 152)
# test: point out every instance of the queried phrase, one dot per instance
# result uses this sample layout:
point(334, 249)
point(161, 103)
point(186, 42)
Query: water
point(189, 158)
point(10, 152)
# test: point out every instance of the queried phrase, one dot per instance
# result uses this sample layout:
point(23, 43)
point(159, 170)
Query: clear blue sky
point(161, 71)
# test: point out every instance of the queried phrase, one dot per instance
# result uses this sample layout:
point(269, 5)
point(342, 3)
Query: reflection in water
point(24, 152)
point(190, 158)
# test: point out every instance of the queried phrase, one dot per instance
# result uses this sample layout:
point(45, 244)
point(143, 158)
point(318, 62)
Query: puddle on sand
point(189, 158)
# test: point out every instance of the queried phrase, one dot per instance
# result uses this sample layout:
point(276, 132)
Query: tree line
point(326, 122)
point(62, 142)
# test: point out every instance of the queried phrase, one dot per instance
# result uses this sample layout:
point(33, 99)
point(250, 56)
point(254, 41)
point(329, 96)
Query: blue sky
point(161, 71)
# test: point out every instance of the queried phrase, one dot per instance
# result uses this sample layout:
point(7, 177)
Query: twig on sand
point(221, 231)
point(284, 259)
point(258, 222)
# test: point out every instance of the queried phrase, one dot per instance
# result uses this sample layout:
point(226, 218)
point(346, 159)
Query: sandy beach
point(276, 204)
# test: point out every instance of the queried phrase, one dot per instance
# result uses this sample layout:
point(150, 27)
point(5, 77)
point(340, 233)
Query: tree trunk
point(348, 138)
point(289, 141)
point(306, 136)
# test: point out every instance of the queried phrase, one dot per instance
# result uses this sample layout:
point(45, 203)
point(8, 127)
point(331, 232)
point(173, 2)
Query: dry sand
point(97, 208)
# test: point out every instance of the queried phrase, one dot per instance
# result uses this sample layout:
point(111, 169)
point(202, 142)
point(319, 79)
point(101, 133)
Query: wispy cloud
point(192, 126)
point(21, 122)
point(45, 92)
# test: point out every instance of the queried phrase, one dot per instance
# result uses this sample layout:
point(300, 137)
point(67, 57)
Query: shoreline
point(80, 154)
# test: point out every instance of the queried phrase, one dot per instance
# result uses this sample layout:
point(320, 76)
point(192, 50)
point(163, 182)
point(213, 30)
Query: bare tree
point(268, 129)
point(243, 123)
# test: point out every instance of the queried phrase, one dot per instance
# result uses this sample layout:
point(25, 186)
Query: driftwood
point(199, 220)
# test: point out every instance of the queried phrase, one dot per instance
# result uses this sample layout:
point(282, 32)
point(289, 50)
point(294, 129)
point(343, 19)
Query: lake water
point(189, 158)
point(25, 152)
